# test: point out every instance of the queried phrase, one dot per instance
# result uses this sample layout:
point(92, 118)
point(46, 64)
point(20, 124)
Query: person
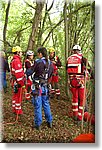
point(77, 72)
point(42, 71)
point(55, 77)
point(18, 80)
point(5, 68)
point(28, 63)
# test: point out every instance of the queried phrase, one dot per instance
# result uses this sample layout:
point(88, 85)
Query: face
point(40, 55)
point(20, 54)
point(52, 54)
point(76, 51)
point(31, 57)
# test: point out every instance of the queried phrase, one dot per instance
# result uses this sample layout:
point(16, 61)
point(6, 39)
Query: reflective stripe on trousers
point(77, 97)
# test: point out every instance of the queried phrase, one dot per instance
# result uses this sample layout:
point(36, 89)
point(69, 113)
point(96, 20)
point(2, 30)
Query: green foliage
point(80, 26)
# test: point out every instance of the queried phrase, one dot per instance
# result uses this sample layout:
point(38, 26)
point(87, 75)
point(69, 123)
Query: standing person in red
point(55, 78)
point(76, 68)
point(28, 63)
point(17, 80)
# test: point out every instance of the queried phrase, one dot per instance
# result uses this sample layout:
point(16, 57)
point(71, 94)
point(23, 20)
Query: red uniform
point(27, 65)
point(55, 78)
point(75, 69)
point(17, 83)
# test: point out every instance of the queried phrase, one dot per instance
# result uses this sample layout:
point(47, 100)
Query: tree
point(5, 25)
point(36, 21)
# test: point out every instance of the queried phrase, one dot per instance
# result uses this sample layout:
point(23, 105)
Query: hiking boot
point(49, 124)
point(58, 97)
point(37, 128)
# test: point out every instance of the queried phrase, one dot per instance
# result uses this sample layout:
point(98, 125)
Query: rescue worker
point(28, 63)
point(42, 70)
point(17, 80)
point(4, 68)
point(55, 77)
point(77, 71)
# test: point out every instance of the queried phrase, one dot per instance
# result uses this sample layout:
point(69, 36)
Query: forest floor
point(64, 128)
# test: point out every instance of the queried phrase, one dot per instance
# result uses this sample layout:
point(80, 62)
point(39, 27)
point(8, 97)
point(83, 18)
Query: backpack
point(74, 64)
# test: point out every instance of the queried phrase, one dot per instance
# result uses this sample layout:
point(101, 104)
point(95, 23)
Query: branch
point(52, 31)
point(6, 42)
point(29, 4)
point(19, 32)
point(51, 6)
point(69, 15)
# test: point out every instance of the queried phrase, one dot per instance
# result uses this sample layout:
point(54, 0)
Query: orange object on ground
point(85, 138)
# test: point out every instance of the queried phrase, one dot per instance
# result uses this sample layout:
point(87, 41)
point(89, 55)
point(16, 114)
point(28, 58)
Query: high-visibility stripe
point(18, 107)
point(75, 109)
point(19, 70)
point(75, 104)
point(58, 93)
point(79, 114)
point(73, 64)
point(19, 79)
point(80, 107)
point(13, 105)
point(13, 101)
point(18, 104)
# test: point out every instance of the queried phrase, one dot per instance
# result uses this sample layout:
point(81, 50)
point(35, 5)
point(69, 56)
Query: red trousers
point(16, 101)
point(54, 83)
point(77, 101)
point(28, 89)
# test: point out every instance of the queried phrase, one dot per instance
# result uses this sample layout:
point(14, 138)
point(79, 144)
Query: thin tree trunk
point(6, 22)
point(66, 44)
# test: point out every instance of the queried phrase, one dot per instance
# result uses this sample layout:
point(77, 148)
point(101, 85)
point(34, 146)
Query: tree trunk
point(5, 25)
point(66, 44)
point(36, 21)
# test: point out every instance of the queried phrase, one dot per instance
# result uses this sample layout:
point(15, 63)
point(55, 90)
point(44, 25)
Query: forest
point(60, 24)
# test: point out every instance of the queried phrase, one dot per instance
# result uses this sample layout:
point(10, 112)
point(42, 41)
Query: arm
point(18, 72)
point(31, 70)
point(58, 62)
point(84, 62)
point(27, 65)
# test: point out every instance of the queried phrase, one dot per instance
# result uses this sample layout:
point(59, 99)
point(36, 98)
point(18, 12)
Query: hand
point(23, 87)
point(53, 62)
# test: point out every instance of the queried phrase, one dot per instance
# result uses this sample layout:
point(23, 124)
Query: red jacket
point(17, 70)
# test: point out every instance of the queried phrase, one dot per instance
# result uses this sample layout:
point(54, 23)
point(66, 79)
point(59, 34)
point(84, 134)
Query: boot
point(49, 124)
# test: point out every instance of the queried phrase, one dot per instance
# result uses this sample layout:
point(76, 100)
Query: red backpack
point(74, 63)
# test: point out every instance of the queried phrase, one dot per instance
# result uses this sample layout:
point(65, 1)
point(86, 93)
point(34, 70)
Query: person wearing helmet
point(55, 91)
point(42, 70)
point(27, 64)
point(18, 79)
point(4, 69)
point(76, 68)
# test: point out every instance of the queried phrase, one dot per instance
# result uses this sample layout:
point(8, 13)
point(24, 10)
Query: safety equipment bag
point(74, 63)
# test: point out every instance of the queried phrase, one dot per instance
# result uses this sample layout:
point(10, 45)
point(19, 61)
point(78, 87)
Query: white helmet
point(29, 53)
point(77, 47)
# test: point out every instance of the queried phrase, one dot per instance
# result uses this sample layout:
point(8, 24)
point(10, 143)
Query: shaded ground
point(63, 131)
